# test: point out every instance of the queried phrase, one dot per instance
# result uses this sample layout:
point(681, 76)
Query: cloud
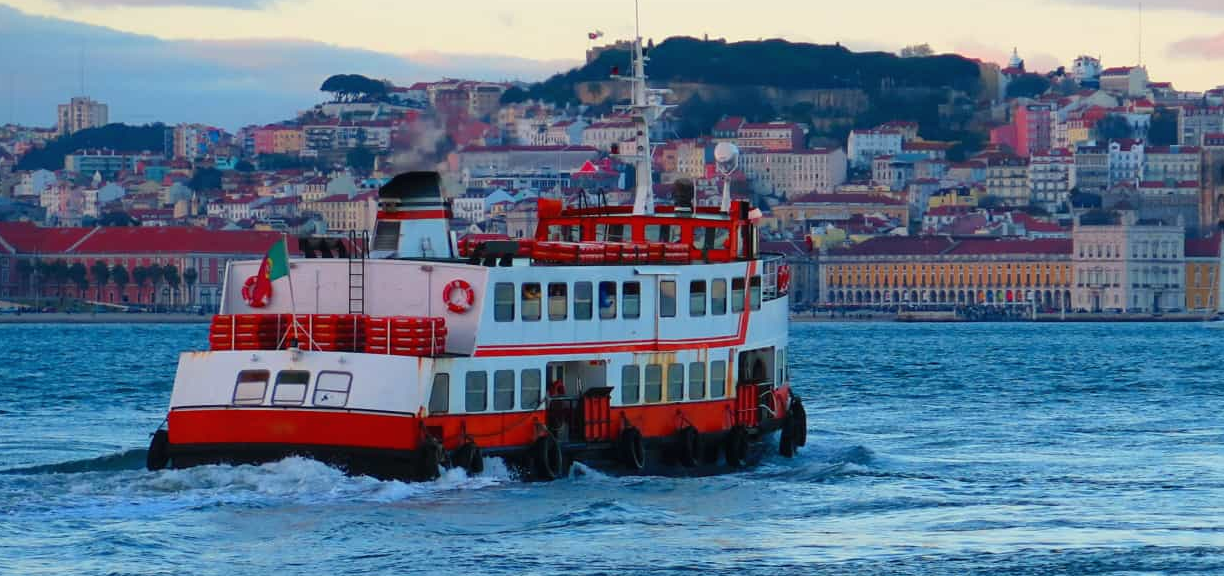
point(227, 83)
point(1206, 47)
point(233, 4)
point(1215, 6)
point(1033, 62)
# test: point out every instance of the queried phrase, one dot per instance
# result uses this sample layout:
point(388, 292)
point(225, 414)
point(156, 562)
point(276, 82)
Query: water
point(949, 449)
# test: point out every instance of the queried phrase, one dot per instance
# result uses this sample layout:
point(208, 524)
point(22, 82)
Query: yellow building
point(888, 271)
point(960, 197)
point(1203, 275)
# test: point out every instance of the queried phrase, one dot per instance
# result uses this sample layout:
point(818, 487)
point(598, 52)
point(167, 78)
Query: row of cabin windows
point(476, 391)
point(704, 237)
point(637, 387)
point(530, 295)
point(331, 388)
point(703, 296)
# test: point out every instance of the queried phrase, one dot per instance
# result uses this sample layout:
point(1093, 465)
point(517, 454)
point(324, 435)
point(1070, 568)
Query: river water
point(933, 449)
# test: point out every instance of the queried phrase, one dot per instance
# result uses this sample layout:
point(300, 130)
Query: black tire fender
point(548, 461)
point(431, 459)
point(469, 457)
point(736, 446)
point(688, 446)
point(159, 451)
point(632, 450)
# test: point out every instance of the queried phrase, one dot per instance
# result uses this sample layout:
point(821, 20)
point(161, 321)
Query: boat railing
point(771, 263)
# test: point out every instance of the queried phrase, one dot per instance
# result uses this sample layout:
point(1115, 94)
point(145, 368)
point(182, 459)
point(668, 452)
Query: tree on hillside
point(1163, 131)
point(119, 275)
point(360, 159)
point(1112, 127)
point(118, 137)
point(117, 219)
point(514, 95)
point(205, 179)
point(244, 166)
point(917, 51)
point(101, 275)
point(1028, 86)
point(354, 87)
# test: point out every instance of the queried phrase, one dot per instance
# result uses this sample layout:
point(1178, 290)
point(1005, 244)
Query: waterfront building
point(1211, 196)
point(1203, 274)
point(1122, 263)
point(942, 270)
point(80, 113)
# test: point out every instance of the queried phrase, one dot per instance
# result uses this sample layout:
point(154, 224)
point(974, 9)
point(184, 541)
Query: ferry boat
point(637, 339)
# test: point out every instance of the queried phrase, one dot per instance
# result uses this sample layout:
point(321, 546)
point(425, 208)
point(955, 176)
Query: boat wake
point(133, 459)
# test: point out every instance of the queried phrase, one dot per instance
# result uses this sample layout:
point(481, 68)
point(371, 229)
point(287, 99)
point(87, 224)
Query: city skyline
point(147, 57)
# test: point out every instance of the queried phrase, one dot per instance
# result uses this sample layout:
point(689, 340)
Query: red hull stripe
point(414, 215)
point(626, 345)
point(300, 427)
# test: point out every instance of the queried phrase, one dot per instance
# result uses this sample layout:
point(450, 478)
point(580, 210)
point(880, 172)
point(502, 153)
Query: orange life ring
point(253, 295)
point(458, 296)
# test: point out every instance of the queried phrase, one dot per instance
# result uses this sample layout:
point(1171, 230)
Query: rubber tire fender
point(688, 446)
point(737, 446)
point(158, 456)
point(469, 457)
point(431, 459)
point(632, 450)
point(548, 461)
point(798, 418)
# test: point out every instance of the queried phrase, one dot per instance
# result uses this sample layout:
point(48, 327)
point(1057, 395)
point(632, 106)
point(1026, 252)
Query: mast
point(645, 108)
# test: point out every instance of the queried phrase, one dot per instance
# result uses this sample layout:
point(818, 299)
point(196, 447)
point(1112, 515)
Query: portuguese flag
point(275, 265)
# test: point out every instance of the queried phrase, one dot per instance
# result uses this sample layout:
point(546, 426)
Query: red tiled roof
point(1117, 71)
point(1183, 184)
point(898, 246)
point(1203, 247)
point(979, 246)
point(847, 198)
point(936, 146)
point(26, 238)
point(529, 149)
point(729, 124)
point(1173, 150)
point(141, 240)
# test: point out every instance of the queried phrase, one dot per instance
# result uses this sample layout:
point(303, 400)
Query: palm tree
point(120, 275)
point(59, 275)
point(79, 275)
point(101, 274)
point(140, 275)
point(155, 278)
point(171, 274)
point(26, 270)
point(189, 277)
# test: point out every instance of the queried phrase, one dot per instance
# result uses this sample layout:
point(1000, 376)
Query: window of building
point(653, 387)
point(503, 302)
point(754, 292)
point(250, 387)
point(439, 394)
point(697, 298)
point(667, 298)
point(558, 301)
point(582, 301)
point(476, 392)
point(697, 381)
point(718, 379)
point(531, 384)
point(631, 300)
point(290, 387)
point(737, 295)
point(718, 297)
point(607, 300)
point(531, 301)
point(675, 382)
point(630, 385)
point(332, 389)
point(503, 390)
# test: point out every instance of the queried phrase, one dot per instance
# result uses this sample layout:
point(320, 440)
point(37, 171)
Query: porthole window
point(332, 389)
point(251, 387)
point(290, 387)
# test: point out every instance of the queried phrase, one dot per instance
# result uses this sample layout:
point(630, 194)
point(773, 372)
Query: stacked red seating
point(675, 252)
point(244, 332)
point(324, 332)
point(405, 335)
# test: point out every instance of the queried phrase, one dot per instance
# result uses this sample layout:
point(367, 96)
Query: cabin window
point(675, 382)
point(662, 233)
point(565, 233)
point(613, 233)
point(607, 300)
point(631, 302)
point(290, 387)
point(558, 300)
point(582, 301)
point(439, 394)
point(737, 295)
point(630, 390)
point(251, 386)
point(667, 298)
point(718, 297)
point(697, 298)
point(654, 383)
point(718, 379)
point(503, 302)
point(332, 389)
point(754, 292)
point(697, 381)
point(503, 390)
point(476, 392)
point(531, 389)
point(531, 301)
point(710, 238)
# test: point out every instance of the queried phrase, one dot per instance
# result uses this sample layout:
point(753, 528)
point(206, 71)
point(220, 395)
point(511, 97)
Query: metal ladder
point(359, 248)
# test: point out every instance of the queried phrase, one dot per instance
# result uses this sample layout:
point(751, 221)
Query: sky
point(236, 62)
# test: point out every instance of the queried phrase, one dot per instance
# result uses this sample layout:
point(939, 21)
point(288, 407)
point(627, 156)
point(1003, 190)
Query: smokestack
point(413, 220)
